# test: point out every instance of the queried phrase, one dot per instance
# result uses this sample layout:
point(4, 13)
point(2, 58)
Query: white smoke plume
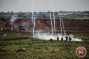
point(48, 36)
point(13, 18)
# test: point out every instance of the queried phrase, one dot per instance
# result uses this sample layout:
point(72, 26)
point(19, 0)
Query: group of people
point(68, 38)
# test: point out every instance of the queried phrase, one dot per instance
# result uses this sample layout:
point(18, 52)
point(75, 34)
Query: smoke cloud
point(13, 18)
point(48, 36)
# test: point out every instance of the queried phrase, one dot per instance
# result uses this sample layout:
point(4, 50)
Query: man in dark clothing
point(66, 38)
point(70, 38)
point(57, 38)
point(62, 39)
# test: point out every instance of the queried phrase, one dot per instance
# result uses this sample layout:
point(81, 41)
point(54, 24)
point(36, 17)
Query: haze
point(43, 5)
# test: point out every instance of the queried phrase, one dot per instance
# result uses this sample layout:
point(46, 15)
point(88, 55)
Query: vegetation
point(73, 16)
point(39, 49)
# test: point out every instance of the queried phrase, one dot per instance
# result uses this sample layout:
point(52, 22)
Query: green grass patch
point(40, 49)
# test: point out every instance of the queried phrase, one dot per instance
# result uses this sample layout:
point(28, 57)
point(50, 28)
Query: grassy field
point(10, 48)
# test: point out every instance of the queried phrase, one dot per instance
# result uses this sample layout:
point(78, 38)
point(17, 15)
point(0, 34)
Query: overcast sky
point(43, 5)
